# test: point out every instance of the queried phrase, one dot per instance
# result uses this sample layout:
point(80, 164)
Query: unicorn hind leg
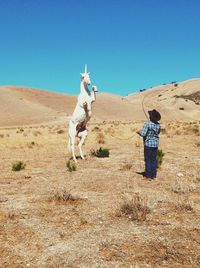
point(82, 135)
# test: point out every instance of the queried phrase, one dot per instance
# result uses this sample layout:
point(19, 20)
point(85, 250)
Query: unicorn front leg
point(93, 93)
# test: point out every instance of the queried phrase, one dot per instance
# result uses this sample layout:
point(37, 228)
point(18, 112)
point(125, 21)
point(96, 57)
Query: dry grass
point(44, 223)
point(62, 196)
point(135, 209)
point(36, 133)
point(60, 131)
point(182, 185)
point(126, 167)
point(184, 204)
point(100, 138)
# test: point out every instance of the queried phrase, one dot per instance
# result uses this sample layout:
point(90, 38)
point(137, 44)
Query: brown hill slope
point(178, 101)
point(22, 105)
point(19, 106)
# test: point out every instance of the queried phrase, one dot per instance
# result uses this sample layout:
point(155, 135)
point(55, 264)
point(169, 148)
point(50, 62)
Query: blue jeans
point(150, 158)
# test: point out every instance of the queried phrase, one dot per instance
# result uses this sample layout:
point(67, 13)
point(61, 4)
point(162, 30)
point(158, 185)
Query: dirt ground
point(41, 227)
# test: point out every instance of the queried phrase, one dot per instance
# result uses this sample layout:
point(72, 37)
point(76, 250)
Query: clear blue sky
point(127, 44)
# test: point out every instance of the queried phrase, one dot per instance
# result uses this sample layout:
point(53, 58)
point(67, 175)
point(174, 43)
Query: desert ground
point(103, 214)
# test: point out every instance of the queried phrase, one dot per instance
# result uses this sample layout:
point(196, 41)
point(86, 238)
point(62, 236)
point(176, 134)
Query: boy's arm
point(143, 131)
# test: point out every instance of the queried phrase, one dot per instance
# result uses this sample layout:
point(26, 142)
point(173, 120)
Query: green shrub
point(18, 166)
point(101, 152)
point(160, 156)
point(70, 166)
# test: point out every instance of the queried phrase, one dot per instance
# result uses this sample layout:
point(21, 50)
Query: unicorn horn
point(85, 68)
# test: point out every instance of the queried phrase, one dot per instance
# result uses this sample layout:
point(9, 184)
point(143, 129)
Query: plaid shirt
point(150, 134)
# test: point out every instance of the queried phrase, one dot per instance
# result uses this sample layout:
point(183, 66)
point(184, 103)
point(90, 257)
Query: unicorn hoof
point(94, 88)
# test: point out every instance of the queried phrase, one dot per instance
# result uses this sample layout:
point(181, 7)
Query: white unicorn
point(82, 114)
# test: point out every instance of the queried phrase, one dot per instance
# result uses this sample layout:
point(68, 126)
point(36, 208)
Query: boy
point(150, 134)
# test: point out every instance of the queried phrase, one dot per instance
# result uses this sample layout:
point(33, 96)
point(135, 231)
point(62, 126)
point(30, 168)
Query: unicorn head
point(85, 77)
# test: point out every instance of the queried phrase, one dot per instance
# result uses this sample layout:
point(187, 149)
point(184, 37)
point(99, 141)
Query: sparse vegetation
point(101, 152)
point(51, 205)
point(182, 185)
point(96, 129)
point(18, 166)
point(100, 138)
point(36, 133)
point(62, 196)
point(60, 131)
point(71, 166)
point(126, 167)
point(11, 215)
point(184, 205)
point(31, 144)
point(163, 131)
point(195, 129)
point(160, 155)
point(195, 97)
point(135, 209)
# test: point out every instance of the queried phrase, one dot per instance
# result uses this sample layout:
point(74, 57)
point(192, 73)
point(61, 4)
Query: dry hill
point(176, 101)
point(22, 105)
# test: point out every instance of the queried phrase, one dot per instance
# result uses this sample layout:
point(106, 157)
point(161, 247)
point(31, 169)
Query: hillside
point(25, 106)
point(178, 101)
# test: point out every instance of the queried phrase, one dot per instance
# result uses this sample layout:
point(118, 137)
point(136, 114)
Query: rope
point(122, 138)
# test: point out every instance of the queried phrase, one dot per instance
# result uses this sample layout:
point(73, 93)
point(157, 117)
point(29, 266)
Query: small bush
point(181, 108)
point(61, 131)
point(100, 138)
point(101, 152)
point(184, 205)
point(96, 129)
point(62, 196)
point(18, 166)
point(31, 144)
point(126, 166)
point(195, 130)
point(70, 166)
point(183, 186)
point(36, 133)
point(163, 131)
point(198, 176)
point(135, 209)
point(11, 215)
point(160, 156)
